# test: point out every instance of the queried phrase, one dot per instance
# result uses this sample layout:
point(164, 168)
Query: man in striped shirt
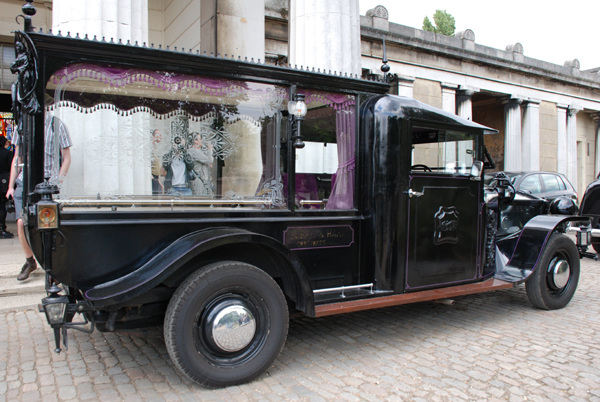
point(56, 136)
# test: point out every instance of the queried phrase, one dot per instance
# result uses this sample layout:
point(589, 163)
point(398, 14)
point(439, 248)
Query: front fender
point(517, 256)
point(183, 250)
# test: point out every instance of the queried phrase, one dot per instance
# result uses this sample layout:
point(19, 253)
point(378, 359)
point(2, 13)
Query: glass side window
point(142, 138)
point(531, 183)
point(442, 151)
point(553, 183)
point(325, 167)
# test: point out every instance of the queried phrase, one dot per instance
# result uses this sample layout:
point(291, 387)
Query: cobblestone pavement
point(493, 346)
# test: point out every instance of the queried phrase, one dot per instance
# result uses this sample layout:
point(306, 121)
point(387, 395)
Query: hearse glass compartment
point(146, 138)
point(325, 167)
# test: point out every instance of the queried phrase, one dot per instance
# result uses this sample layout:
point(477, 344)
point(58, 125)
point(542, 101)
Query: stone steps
point(17, 295)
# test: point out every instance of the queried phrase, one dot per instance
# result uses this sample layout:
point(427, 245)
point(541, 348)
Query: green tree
point(444, 23)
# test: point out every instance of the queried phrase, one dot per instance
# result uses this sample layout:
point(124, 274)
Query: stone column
point(512, 135)
point(530, 142)
point(325, 35)
point(464, 104)
point(233, 27)
point(449, 97)
point(596, 117)
point(572, 145)
point(124, 20)
point(561, 138)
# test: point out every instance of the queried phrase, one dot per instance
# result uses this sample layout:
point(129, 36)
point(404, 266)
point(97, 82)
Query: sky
point(551, 31)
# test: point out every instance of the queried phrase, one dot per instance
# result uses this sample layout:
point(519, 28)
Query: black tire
point(202, 353)
point(554, 281)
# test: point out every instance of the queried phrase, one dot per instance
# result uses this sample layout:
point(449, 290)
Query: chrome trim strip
point(344, 288)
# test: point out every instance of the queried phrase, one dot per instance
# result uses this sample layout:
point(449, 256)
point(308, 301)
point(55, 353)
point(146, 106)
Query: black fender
point(517, 256)
point(183, 250)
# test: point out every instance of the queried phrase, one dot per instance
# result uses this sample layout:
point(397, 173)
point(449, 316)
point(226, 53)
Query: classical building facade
point(547, 115)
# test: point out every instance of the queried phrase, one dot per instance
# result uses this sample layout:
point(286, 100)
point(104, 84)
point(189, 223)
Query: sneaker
point(27, 269)
point(6, 235)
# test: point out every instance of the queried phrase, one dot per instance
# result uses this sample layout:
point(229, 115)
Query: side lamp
point(55, 306)
point(584, 236)
point(297, 109)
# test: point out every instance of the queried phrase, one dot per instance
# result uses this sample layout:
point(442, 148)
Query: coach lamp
point(55, 307)
point(297, 109)
point(47, 208)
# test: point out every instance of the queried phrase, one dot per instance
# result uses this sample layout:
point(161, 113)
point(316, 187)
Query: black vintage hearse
point(215, 196)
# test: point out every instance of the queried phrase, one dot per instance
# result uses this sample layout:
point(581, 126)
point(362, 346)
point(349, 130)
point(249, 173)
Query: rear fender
point(517, 256)
point(186, 248)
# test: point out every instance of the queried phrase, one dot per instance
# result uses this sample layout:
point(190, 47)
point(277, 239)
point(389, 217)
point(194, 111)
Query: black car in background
point(546, 185)
point(534, 193)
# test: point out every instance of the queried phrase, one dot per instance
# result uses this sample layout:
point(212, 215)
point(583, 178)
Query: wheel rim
point(231, 328)
point(559, 274)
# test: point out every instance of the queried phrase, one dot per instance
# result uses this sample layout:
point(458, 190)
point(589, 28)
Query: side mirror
point(476, 170)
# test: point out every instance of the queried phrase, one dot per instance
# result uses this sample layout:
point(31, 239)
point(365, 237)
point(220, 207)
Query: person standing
point(6, 157)
point(177, 168)
point(202, 157)
point(55, 170)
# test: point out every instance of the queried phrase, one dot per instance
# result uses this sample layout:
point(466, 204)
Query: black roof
point(409, 108)
point(58, 51)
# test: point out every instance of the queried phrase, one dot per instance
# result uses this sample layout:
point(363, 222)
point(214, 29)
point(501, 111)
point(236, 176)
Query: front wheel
point(226, 324)
point(554, 281)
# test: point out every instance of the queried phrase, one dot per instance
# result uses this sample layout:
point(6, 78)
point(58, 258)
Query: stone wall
point(548, 140)
point(429, 92)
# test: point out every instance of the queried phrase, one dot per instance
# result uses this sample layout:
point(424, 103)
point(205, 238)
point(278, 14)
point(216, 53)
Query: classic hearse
point(215, 196)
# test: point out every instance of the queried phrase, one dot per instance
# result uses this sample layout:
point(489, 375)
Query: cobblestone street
point(493, 346)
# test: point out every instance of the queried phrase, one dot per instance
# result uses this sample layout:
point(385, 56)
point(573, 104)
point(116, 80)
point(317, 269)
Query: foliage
point(444, 23)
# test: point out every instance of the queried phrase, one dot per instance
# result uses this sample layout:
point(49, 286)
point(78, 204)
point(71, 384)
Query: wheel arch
point(176, 261)
point(518, 257)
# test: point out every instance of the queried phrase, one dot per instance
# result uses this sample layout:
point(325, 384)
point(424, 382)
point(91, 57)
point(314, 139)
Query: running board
point(324, 310)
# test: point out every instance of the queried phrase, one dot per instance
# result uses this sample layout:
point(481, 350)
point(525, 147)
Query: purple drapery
point(342, 194)
point(119, 77)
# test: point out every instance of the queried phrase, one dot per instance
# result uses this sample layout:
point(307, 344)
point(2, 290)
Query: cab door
point(444, 205)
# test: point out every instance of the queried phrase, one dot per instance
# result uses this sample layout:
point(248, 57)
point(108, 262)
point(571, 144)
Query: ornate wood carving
point(23, 90)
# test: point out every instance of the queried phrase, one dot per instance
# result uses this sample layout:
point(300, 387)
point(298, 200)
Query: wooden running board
point(406, 298)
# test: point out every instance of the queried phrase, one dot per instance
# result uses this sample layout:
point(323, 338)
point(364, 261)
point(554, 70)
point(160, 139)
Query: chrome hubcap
point(233, 326)
point(559, 272)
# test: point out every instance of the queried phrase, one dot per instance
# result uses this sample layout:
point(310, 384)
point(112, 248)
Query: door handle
point(412, 193)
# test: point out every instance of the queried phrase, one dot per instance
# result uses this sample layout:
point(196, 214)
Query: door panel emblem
point(446, 226)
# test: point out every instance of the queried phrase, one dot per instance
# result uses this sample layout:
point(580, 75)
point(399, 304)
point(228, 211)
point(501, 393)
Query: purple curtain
point(342, 193)
point(119, 77)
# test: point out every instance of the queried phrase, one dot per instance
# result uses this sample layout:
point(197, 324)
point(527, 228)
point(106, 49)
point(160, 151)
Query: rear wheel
point(226, 324)
point(554, 281)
